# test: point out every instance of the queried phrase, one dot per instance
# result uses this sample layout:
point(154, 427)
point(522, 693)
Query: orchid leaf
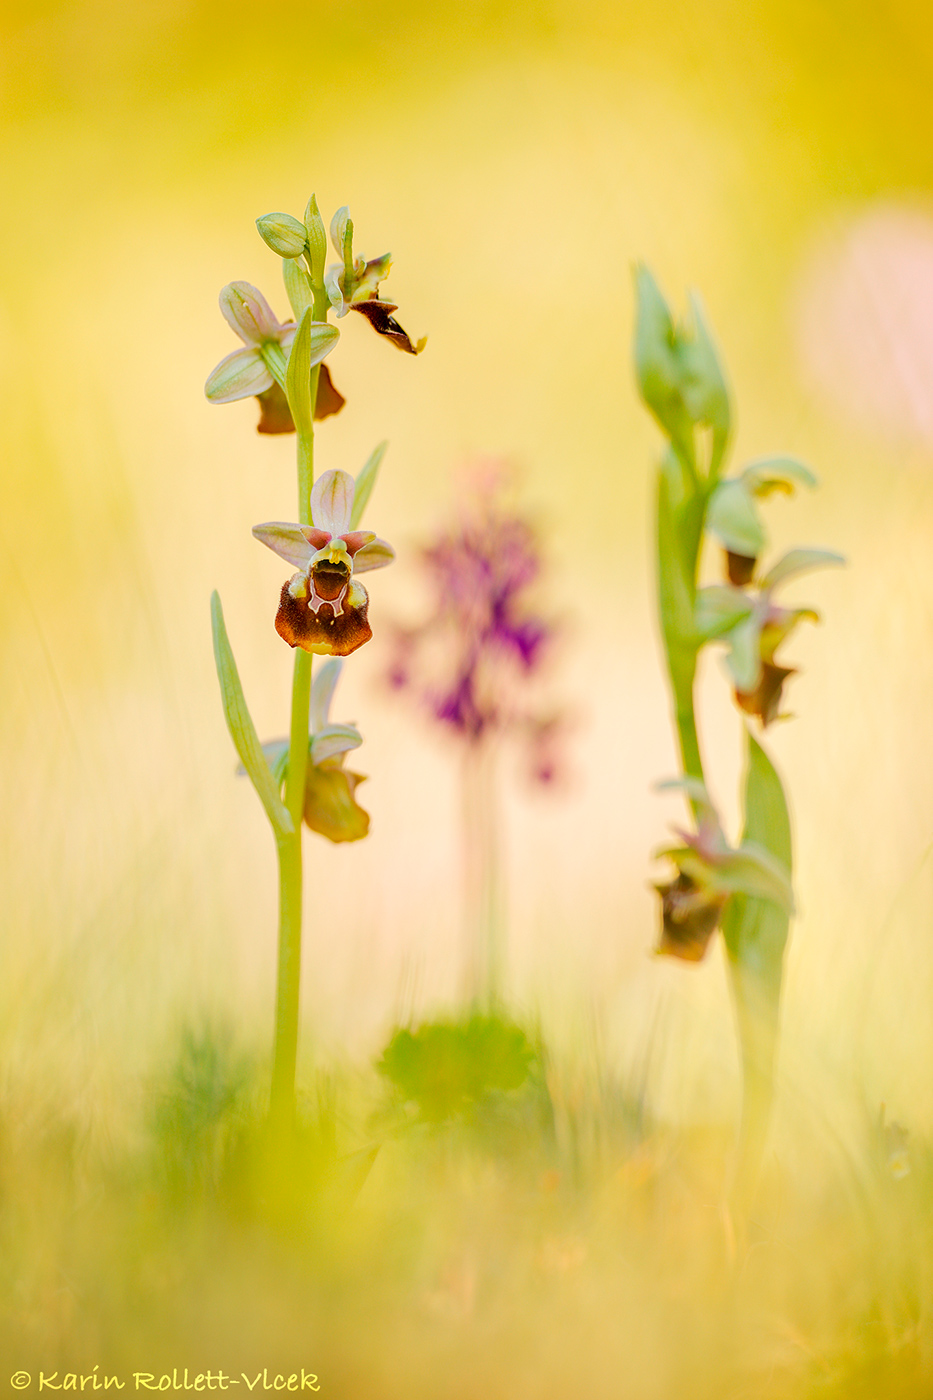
point(313, 340)
point(276, 755)
point(242, 729)
point(753, 871)
point(365, 483)
point(755, 932)
point(297, 287)
point(317, 240)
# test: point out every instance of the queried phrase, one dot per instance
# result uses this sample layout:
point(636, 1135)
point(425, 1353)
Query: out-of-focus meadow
point(516, 160)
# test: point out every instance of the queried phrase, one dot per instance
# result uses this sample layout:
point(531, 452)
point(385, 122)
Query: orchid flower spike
point(323, 608)
point(259, 367)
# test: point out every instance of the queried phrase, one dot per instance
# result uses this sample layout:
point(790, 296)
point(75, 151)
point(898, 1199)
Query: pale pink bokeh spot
point(864, 318)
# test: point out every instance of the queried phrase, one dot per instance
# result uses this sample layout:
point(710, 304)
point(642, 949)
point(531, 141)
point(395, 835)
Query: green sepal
point(242, 730)
point(744, 658)
point(799, 561)
point(767, 474)
point(733, 517)
point(365, 483)
point(719, 608)
point(332, 740)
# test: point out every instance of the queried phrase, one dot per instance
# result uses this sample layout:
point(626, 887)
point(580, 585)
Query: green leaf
point(242, 729)
point(799, 561)
point(317, 241)
point(365, 483)
point(313, 340)
point(733, 517)
point(754, 871)
point(297, 286)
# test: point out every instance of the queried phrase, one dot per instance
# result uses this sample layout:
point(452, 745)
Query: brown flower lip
point(379, 315)
point(765, 700)
point(740, 568)
point(275, 415)
point(689, 917)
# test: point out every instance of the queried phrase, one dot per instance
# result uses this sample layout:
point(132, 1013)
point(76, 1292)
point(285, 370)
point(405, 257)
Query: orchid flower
point(330, 805)
point(258, 369)
point(353, 285)
point(709, 871)
point(323, 608)
point(754, 626)
point(733, 515)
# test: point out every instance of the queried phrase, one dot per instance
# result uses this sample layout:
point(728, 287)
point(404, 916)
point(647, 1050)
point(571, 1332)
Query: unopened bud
point(285, 235)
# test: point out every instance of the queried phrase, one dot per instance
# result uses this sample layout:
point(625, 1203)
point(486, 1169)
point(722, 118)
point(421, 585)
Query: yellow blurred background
point(516, 160)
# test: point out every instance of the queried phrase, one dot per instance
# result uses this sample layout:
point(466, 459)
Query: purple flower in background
point(474, 663)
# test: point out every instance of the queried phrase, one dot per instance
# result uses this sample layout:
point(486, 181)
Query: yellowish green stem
point(287, 1002)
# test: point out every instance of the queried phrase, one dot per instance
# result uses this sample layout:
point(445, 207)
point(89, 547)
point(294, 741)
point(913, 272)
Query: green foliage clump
point(449, 1068)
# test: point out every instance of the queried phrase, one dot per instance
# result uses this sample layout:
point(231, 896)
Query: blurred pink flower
point(864, 319)
point(473, 662)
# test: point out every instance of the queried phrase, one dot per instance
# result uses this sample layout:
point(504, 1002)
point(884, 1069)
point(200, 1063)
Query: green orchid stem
point(685, 716)
point(285, 1056)
point(287, 1000)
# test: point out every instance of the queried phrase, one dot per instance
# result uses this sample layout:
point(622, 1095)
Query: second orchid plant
point(743, 890)
point(323, 608)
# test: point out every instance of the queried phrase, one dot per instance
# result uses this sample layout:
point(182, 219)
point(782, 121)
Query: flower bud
point(283, 234)
point(657, 361)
